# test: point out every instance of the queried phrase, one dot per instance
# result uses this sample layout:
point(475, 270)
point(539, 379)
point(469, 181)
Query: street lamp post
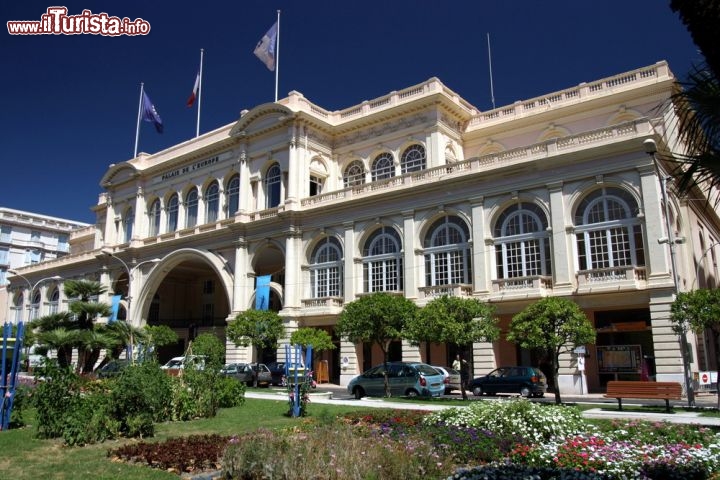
point(33, 288)
point(651, 149)
point(128, 298)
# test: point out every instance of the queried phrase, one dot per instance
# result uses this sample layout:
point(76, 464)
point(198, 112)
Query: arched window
point(354, 174)
point(608, 230)
point(272, 186)
point(128, 223)
point(232, 193)
point(35, 305)
point(326, 269)
point(212, 202)
point(413, 159)
point(383, 167)
point(54, 304)
point(522, 242)
point(172, 213)
point(154, 218)
point(382, 261)
point(18, 307)
point(447, 252)
point(191, 208)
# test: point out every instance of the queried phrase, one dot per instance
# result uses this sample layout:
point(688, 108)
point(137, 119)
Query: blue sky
point(70, 103)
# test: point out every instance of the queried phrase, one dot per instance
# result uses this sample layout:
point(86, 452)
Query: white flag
point(266, 47)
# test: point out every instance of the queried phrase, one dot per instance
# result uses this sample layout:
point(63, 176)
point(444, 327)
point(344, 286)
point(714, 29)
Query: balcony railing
point(452, 290)
point(323, 302)
point(535, 283)
point(627, 276)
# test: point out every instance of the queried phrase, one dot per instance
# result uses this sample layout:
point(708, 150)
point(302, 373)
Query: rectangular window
point(208, 313)
point(5, 233)
point(315, 186)
point(4, 256)
point(63, 243)
point(35, 235)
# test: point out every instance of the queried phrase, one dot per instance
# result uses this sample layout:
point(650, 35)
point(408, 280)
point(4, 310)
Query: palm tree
point(697, 104)
point(697, 101)
point(62, 340)
point(86, 312)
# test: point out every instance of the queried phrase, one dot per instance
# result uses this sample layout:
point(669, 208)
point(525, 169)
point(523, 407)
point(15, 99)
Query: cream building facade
point(27, 238)
point(421, 194)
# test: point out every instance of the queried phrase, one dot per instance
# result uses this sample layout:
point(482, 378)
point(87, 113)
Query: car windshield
point(426, 369)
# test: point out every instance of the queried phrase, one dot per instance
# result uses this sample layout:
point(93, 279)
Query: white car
point(452, 378)
point(178, 363)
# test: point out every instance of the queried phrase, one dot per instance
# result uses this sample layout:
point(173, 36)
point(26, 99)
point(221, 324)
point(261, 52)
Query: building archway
point(190, 292)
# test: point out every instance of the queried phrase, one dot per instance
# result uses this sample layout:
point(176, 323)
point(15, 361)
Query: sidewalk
point(606, 407)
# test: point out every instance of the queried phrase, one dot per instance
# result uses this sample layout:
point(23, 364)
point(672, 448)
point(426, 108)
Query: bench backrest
point(620, 387)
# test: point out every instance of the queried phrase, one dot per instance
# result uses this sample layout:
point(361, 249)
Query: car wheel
point(525, 392)
point(477, 390)
point(412, 393)
point(358, 393)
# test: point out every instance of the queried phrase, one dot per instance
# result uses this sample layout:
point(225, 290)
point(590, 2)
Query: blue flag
point(265, 49)
point(262, 292)
point(150, 114)
point(114, 308)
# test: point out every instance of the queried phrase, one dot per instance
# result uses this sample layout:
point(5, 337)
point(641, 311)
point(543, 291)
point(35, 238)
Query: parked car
point(525, 381)
point(452, 378)
point(405, 378)
point(277, 371)
point(248, 372)
point(176, 364)
point(112, 369)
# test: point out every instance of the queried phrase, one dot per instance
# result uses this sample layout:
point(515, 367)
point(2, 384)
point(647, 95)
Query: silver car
point(452, 378)
point(409, 379)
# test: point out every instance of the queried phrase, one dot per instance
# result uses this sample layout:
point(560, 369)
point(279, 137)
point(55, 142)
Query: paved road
point(338, 395)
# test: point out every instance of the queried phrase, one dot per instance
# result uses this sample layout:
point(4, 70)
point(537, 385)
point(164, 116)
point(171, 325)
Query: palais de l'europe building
point(421, 194)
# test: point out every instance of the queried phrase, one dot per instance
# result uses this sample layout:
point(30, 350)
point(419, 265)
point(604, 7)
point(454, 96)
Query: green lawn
point(27, 458)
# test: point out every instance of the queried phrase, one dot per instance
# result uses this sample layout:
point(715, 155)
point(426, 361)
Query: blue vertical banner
point(114, 308)
point(262, 292)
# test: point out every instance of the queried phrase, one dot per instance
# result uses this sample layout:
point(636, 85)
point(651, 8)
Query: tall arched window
point(154, 218)
point(172, 213)
point(382, 261)
point(273, 180)
point(608, 230)
point(447, 252)
point(522, 242)
point(18, 307)
point(232, 193)
point(54, 304)
point(35, 305)
point(383, 167)
point(413, 159)
point(354, 174)
point(128, 223)
point(326, 269)
point(212, 202)
point(191, 208)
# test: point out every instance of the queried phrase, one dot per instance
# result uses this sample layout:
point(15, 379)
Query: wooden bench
point(667, 391)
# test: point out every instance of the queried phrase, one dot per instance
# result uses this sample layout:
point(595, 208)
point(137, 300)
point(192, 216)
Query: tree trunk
point(556, 369)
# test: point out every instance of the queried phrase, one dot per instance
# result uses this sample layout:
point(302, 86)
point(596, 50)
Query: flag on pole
point(150, 113)
point(194, 93)
point(266, 47)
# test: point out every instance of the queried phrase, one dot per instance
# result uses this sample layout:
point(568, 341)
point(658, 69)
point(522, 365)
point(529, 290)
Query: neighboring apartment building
point(421, 194)
point(28, 238)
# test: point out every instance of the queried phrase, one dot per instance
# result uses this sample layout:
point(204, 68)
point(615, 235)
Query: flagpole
point(137, 128)
point(492, 93)
point(197, 127)
point(277, 57)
